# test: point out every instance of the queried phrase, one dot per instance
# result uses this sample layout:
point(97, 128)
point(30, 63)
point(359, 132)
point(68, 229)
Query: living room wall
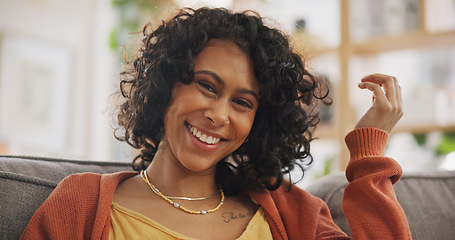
point(76, 31)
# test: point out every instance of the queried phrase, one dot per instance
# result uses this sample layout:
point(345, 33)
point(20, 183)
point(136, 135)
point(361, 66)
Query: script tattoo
point(228, 216)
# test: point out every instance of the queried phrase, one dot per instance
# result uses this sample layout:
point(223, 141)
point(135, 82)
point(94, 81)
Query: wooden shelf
point(325, 131)
point(424, 129)
point(419, 39)
point(412, 40)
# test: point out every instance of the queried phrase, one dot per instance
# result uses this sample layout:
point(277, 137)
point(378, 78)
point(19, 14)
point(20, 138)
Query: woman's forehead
point(226, 59)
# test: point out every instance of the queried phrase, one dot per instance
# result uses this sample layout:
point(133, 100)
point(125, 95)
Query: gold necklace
point(194, 199)
point(167, 199)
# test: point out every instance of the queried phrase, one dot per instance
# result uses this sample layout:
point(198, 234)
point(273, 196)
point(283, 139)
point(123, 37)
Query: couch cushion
point(427, 198)
point(25, 182)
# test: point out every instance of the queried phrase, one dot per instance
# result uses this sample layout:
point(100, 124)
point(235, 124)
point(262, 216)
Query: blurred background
point(60, 59)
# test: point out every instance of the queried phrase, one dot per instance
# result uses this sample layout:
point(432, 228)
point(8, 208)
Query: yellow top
point(128, 224)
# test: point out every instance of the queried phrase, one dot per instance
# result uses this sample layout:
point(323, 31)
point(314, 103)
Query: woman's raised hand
point(387, 108)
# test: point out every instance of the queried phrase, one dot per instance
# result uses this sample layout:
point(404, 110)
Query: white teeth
point(202, 136)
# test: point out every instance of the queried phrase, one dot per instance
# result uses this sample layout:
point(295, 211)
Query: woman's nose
point(218, 113)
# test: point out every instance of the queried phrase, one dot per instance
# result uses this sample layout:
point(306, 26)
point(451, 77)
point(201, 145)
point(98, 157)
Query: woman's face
point(211, 117)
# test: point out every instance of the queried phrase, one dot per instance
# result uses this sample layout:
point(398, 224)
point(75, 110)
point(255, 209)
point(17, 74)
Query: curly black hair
point(280, 137)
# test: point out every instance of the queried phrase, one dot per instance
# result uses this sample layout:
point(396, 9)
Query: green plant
point(420, 138)
point(447, 143)
point(326, 168)
point(132, 15)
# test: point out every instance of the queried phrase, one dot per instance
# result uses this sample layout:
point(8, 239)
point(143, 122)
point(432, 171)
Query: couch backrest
point(427, 198)
point(25, 182)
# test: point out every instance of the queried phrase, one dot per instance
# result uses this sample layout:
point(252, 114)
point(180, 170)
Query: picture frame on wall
point(35, 79)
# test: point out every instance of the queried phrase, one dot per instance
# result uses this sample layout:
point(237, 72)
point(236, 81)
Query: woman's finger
point(388, 83)
point(399, 95)
point(387, 107)
point(378, 94)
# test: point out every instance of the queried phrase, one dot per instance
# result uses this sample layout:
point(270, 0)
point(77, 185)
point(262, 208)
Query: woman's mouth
point(202, 136)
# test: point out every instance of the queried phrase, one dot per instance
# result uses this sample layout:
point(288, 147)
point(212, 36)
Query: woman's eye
point(243, 103)
point(206, 86)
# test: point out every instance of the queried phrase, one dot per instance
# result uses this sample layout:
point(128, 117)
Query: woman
point(221, 109)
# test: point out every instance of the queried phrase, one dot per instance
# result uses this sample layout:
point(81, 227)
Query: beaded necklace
point(167, 199)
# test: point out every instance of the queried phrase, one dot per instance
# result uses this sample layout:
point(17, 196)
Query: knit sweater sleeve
point(68, 213)
point(369, 201)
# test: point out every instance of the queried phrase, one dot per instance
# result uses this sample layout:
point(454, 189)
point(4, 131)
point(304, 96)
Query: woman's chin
point(197, 168)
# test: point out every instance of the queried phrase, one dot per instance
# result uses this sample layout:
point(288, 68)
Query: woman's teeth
point(202, 136)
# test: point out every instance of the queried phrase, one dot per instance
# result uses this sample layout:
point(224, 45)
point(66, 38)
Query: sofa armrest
point(427, 198)
point(25, 182)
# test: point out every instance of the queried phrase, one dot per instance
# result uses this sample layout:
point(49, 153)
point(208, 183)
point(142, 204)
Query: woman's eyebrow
point(214, 75)
point(250, 92)
point(221, 82)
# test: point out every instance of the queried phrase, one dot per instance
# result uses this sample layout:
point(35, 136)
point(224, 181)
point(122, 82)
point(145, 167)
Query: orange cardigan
point(79, 208)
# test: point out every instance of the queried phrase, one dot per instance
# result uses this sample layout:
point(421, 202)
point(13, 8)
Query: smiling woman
point(216, 51)
point(220, 103)
point(222, 110)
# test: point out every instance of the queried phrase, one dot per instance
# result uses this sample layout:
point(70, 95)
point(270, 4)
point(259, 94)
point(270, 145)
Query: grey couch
point(25, 182)
point(427, 198)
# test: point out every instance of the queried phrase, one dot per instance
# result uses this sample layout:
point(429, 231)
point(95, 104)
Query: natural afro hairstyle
point(280, 137)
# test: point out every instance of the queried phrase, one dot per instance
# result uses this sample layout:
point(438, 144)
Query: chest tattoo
point(231, 216)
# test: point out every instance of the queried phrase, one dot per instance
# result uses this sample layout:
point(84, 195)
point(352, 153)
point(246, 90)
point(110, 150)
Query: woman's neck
point(173, 179)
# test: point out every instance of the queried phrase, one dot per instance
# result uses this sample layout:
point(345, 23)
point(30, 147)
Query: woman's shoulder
point(79, 180)
point(84, 189)
point(287, 195)
point(291, 193)
point(81, 177)
point(291, 207)
point(90, 182)
point(89, 177)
